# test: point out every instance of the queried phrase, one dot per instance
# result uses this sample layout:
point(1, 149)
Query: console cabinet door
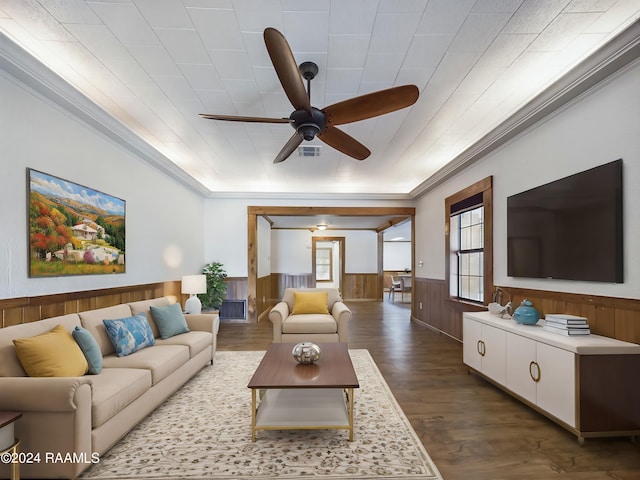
point(472, 343)
point(557, 386)
point(495, 348)
point(521, 352)
point(484, 349)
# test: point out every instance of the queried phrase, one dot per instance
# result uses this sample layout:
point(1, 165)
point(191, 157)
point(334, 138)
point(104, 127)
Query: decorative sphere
point(526, 314)
point(306, 352)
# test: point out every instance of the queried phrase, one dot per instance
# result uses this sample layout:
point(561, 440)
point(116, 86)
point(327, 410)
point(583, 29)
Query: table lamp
point(193, 284)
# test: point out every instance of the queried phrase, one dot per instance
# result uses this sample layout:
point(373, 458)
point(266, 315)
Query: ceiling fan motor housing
point(308, 124)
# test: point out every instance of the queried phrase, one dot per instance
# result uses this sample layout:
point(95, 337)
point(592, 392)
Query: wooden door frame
point(252, 237)
point(341, 240)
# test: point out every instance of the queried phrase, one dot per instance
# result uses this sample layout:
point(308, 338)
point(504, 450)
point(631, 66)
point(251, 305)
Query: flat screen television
point(569, 229)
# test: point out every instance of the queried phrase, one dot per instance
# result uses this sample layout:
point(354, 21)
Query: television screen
point(568, 229)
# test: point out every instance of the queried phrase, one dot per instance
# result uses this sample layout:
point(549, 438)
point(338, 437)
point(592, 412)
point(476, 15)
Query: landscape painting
point(73, 230)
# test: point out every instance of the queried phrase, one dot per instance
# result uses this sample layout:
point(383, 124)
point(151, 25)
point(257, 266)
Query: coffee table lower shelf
point(302, 409)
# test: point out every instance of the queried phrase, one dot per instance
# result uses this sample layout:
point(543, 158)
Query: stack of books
point(566, 324)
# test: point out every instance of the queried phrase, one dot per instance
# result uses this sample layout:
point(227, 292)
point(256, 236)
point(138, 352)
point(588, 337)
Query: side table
point(9, 445)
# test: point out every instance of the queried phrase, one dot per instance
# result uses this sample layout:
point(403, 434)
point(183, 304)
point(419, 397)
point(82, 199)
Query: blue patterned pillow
point(129, 334)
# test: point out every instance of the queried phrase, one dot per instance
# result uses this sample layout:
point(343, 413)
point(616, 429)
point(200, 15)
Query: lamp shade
point(192, 284)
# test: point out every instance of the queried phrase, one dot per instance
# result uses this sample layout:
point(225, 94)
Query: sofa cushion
point(309, 323)
point(310, 302)
point(196, 341)
point(161, 360)
point(129, 334)
point(9, 364)
point(115, 388)
point(89, 347)
point(169, 320)
point(51, 354)
point(92, 321)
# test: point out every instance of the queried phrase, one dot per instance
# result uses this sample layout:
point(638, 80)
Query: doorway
point(327, 261)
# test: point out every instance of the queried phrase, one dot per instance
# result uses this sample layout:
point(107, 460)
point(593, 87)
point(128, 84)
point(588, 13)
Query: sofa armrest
point(342, 314)
point(277, 315)
point(56, 420)
point(203, 322)
point(41, 394)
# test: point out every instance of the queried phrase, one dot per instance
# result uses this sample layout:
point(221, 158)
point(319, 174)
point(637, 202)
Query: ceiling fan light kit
point(310, 122)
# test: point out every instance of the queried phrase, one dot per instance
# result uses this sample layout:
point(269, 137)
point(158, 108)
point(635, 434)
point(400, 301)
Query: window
point(469, 243)
point(467, 254)
point(324, 265)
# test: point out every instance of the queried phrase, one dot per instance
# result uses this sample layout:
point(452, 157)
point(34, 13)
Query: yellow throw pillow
point(51, 354)
point(310, 302)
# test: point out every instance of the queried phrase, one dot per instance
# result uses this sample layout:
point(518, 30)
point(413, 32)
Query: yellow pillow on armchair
point(310, 302)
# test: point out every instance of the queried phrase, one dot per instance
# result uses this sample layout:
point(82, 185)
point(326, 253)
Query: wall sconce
point(193, 284)
point(321, 226)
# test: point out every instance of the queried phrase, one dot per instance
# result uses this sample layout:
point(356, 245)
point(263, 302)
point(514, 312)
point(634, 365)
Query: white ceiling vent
point(309, 151)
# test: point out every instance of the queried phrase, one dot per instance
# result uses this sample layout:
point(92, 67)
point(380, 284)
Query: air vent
point(309, 151)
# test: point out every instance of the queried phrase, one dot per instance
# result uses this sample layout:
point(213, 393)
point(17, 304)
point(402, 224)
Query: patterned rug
point(203, 432)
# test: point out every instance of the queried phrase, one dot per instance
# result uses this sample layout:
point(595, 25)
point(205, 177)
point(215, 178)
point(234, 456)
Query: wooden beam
point(342, 211)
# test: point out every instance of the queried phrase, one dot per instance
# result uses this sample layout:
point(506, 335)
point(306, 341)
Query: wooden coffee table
point(302, 397)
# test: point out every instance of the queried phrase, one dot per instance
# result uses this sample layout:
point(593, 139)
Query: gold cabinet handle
point(534, 371)
point(481, 348)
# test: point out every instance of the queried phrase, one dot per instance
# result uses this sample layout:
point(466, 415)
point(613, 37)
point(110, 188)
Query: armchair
point(292, 327)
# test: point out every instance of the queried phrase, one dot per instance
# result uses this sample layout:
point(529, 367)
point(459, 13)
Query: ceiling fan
point(310, 122)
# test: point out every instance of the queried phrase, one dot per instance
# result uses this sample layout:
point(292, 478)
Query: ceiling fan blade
point(371, 104)
point(235, 118)
point(289, 147)
point(343, 142)
point(287, 69)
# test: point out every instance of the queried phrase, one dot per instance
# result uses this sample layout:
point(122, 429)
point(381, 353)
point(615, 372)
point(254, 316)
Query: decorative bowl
point(306, 352)
point(526, 314)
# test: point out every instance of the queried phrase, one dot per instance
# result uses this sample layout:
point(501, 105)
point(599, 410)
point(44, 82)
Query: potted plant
point(216, 286)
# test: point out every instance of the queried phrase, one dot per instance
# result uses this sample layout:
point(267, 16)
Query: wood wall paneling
point(612, 317)
point(361, 286)
point(31, 309)
point(264, 301)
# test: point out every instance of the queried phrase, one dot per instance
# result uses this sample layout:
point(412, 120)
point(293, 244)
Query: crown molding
point(31, 73)
point(621, 52)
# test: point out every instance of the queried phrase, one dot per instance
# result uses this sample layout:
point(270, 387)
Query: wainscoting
point(437, 310)
point(357, 286)
point(608, 316)
point(31, 309)
point(361, 286)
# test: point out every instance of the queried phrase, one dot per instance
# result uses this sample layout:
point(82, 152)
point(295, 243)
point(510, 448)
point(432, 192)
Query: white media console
point(588, 384)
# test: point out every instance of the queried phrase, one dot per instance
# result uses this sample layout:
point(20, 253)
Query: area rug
point(203, 432)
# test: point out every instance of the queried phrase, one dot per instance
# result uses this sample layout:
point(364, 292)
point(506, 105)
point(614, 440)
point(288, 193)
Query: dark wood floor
point(471, 429)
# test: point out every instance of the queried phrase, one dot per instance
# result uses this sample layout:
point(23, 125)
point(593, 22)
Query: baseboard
point(434, 329)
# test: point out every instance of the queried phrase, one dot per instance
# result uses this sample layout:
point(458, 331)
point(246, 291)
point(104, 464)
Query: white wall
point(396, 255)
point(600, 127)
point(264, 247)
point(360, 250)
point(226, 236)
point(291, 251)
point(164, 234)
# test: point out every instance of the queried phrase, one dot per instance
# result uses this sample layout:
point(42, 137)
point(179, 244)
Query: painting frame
point(73, 229)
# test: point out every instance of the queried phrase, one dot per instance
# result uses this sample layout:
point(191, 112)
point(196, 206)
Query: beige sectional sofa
point(71, 421)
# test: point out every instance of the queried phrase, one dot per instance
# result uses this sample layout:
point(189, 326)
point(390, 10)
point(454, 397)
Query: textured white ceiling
point(155, 64)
